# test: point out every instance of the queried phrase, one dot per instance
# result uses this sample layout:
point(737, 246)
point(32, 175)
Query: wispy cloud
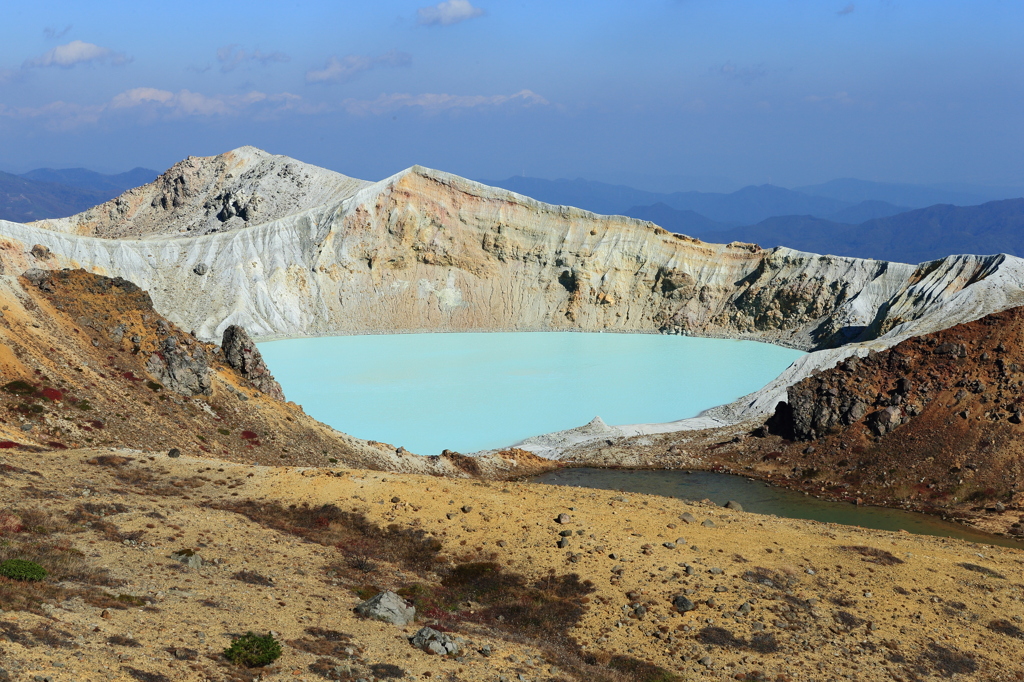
point(744, 74)
point(447, 13)
point(232, 56)
point(339, 70)
point(837, 98)
point(438, 102)
point(7, 75)
point(53, 34)
point(156, 104)
point(846, 10)
point(74, 53)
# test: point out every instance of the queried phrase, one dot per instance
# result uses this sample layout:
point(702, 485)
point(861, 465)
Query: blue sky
point(666, 93)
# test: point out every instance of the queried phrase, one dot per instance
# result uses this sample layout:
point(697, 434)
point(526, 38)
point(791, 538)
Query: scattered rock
point(41, 252)
point(687, 517)
point(683, 603)
point(396, 499)
point(201, 269)
point(387, 606)
point(734, 505)
point(563, 518)
point(466, 509)
point(669, 545)
point(434, 642)
point(708, 523)
point(189, 557)
point(174, 453)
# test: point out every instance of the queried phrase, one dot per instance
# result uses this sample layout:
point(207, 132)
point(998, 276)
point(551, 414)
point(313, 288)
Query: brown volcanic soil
point(73, 356)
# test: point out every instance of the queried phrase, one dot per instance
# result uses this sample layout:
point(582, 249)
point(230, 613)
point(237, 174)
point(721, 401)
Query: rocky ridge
point(203, 195)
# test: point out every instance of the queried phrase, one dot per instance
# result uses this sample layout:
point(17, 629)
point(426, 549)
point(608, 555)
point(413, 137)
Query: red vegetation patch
point(57, 446)
point(249, 435)
point(130, 376)
point(51, 394)
point(8, 444)
point(96, 423)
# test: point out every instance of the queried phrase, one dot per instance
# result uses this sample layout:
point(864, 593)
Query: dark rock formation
point(242, 354)
point(181, 368)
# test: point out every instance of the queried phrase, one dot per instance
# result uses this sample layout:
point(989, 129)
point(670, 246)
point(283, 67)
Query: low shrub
point(19, 569)
point(253, 651)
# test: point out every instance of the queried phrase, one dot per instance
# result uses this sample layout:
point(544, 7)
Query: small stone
point(757, 627)
point(396, 499)
point(721, 588)
point(745, 608)
point(563, 518)
point(669, 545)
point(188, 557)
point(683, 603)
point(708, 523)
point(466, 509)
point(715, 571)
point(563, 543)
point(201, 269)
point(706, 661)
point(565, 533)
point(687, 517)
point(734, 505)
point(105, 614)
point(174, 452)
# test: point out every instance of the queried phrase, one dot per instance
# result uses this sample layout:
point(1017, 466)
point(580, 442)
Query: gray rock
point(466, 509)
point(687, 517)
point(734, 505)
point(181, 369)
point(36, 276)
point(241, 353)
point(565, 533)
point(669, 545)
point(387, 606)
point(174, 453)
point(201, 269)
point(708, 523)
point(745, 608)
point(434, 642)
point(563, 519)
point(190, 558)
point(683, 603)
point(563, 543)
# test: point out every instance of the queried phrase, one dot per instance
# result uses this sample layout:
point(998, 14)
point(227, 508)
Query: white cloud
point(155, 104)
point(76, 52)
point(346, 68)
point(437, 102)
point(447, 13)
point(231, 57)
point(7, 75)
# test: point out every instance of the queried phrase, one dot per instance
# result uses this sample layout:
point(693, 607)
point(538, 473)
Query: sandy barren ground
point(772, 598)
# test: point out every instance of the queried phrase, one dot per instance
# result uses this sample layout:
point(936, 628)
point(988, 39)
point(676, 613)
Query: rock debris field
point(151, 581)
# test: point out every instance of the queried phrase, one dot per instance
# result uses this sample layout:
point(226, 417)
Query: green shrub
point(224, 432)
point(19, 569)
point(253, 651)
point(20, 387)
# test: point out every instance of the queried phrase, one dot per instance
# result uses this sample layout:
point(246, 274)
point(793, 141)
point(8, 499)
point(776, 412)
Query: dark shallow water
point(760, 498)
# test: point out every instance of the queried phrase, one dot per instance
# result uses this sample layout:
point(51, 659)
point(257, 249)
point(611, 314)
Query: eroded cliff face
point(429, 251)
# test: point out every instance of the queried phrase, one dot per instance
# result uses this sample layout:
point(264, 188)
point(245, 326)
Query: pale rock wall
point(429, 251)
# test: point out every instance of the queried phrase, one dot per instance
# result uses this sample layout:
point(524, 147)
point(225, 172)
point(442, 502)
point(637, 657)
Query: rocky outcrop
point(389, 607)
point(241, 353)
point(937, 417)
point(202, 195)
point(180, 368)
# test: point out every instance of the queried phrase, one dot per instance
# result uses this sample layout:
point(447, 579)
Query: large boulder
point(180, 368)
point(241, 353)
point(387, 606)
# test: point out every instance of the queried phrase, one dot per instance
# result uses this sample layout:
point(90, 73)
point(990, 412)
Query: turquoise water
point(469, 392)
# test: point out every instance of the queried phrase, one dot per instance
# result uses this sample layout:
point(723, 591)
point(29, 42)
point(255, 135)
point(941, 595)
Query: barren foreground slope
point(293, 550)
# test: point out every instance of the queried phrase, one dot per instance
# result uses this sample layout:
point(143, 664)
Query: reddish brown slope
point(934, 422)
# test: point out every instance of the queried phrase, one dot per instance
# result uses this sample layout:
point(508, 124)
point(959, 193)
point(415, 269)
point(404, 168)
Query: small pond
point(761, 498)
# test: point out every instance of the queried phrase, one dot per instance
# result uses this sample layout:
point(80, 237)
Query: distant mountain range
point(885, 221)
point(48, 193)
point(912, 237)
